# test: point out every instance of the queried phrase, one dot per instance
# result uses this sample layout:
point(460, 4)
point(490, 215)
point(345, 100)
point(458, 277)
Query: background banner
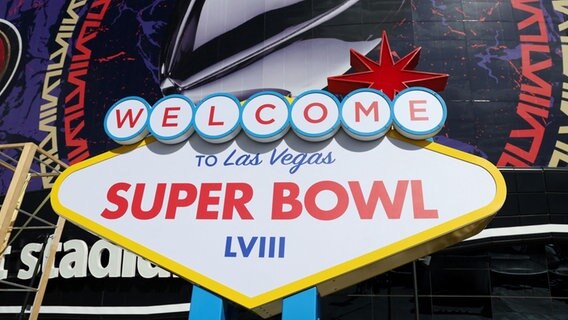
point(505, 61)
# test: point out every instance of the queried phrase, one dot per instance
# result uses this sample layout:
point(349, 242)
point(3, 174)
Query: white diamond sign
point(256, 222)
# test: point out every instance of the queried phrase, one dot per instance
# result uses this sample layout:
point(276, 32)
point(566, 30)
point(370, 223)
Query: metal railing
point(23, 159)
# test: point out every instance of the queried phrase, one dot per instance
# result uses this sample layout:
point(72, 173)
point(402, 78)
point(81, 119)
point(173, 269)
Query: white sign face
point(217, 118)
point(366, 114)
point(316, 115)
point(265, 117)
point(171, 119)
point(257, 222)
point(126, 120)
point(419, 113)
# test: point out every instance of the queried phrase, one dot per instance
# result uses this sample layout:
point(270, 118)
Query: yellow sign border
point(436, 237)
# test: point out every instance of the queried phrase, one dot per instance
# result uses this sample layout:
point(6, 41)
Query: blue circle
point(437, 128)
point(333, 128)
point(117, 139)
point(372, 133)
point(230, 131)
point(185, 130)
point(277, 132)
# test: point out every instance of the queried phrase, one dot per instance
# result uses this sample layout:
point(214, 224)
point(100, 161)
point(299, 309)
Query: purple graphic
point(499, 52)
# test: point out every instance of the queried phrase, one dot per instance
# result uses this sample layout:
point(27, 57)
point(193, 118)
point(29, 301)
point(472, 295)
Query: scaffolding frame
point(21, 159)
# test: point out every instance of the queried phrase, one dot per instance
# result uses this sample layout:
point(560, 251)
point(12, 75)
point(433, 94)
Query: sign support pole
point(302, 306)
point(205, 305)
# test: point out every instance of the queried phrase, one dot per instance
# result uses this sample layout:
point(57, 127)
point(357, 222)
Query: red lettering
point(90, 28)
point(536, 16)
point(141, 214)
point(418, 202)
point(168, 116)
point(79, 150)
point(121, 120)
point(366, 209)
point(360, 108)
point(414, 110)
point(211, 116)
point(102, 6)
point(89, 31)
point(120, 202)
point(333, 213)
point(307, 112)
point(74, 116)
point(535, 100)
point(541, 86)
point(259, 110)
point(175, 200)
point(507, 159)
point(536, 132)
point(537, 91)
point(206, 199)
point(285, 204)
point(75, 100)
point(279, 200)
point(79, 67)
point(232, 203)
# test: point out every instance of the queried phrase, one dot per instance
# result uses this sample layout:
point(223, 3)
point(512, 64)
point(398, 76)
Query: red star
point(387, 76)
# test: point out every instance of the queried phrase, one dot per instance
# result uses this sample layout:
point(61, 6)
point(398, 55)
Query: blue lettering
point(246, 248)
point(262, 247)
point(227, 161)
point(228, 252)
point(328, 159)
point(281, 247)
point(274, 158)
point(242, 160)
point(271, 247)
point(298, 160)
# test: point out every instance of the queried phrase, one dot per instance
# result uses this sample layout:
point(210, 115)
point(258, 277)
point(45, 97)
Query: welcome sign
point(256, 217)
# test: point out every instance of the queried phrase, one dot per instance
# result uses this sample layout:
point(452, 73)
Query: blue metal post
point(302, 306)
point(205, 305)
